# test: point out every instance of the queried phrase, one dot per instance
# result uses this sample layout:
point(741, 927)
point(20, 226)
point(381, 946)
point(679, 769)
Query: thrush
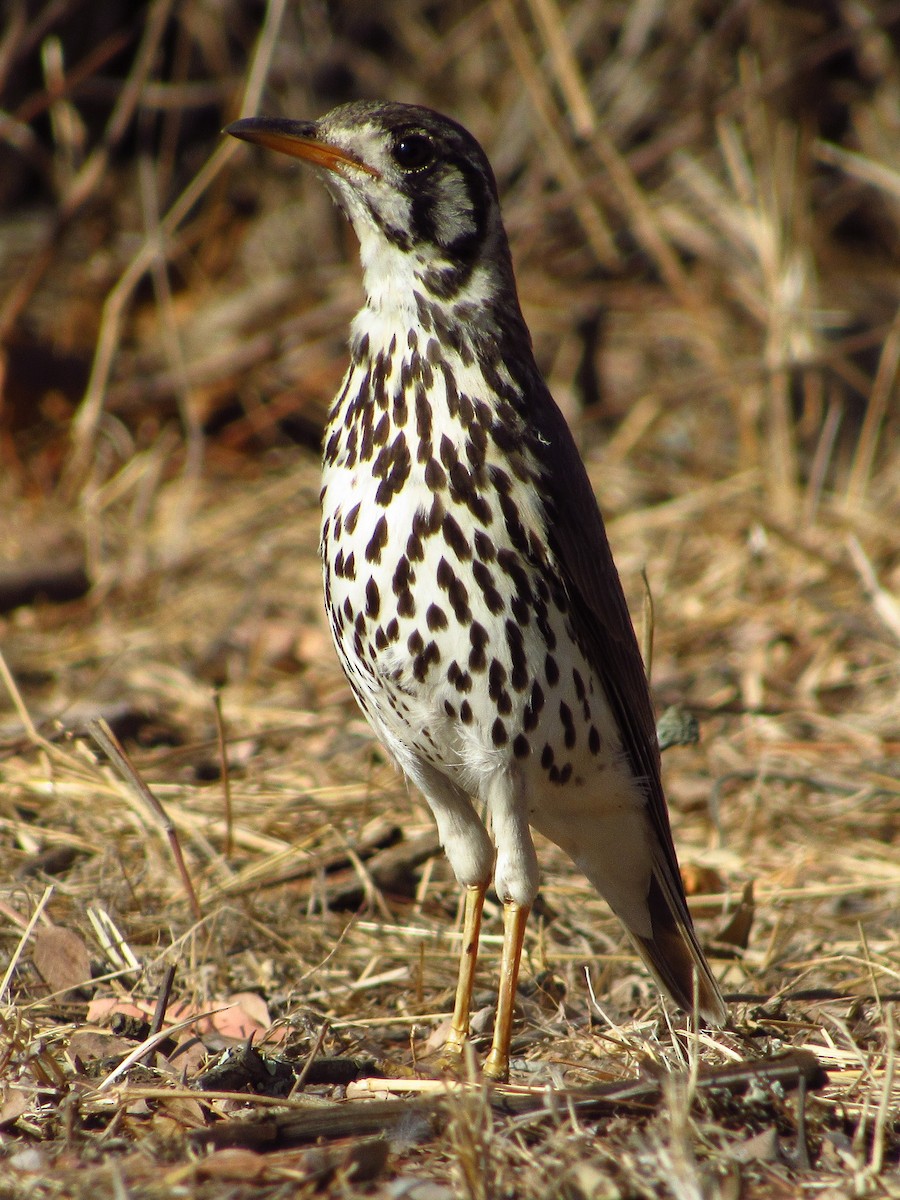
point(470, 587)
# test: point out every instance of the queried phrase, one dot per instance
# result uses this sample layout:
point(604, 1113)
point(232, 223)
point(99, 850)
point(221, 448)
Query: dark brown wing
point(603, 624)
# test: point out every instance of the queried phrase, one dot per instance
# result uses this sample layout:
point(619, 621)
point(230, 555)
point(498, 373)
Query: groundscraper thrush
point(472, 594)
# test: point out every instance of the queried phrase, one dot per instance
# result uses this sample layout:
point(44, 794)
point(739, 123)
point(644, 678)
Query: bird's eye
point(413, 152)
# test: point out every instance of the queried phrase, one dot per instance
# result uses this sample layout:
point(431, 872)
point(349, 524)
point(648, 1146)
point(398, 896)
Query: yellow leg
point(515, 917)
point(468, 957)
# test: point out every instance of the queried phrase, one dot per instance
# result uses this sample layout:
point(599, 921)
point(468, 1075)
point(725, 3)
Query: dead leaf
point(89, 1044)
point(187, 1113)
point(232, 1164)
point(737, 931)
point(251, 1007)
point(236, 1017)
point(762, 1147)
point(701, 881)
point(13, 1103)
point(102, 1007)
point(61, 958)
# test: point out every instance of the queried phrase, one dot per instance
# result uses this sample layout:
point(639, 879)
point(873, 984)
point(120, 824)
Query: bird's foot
point(496, 1066)
point(456, 1056)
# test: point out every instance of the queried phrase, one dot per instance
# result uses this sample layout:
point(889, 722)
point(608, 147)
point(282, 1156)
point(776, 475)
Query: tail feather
point(674, 956)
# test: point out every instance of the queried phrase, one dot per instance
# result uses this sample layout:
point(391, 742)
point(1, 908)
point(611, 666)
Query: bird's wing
point(577, 535)
point(603, 625)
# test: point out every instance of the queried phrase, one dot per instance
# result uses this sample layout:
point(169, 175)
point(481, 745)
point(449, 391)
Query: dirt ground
point(228, 950)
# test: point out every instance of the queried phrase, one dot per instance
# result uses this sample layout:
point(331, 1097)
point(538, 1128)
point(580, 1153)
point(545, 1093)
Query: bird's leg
point(515, 917)
point(468, 957)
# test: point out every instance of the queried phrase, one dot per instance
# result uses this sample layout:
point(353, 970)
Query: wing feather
point(603, 625)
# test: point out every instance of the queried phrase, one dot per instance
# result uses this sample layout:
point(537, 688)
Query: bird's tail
point(673, 953)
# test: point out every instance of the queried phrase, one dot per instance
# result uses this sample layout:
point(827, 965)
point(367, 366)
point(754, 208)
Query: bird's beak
point(297, 138)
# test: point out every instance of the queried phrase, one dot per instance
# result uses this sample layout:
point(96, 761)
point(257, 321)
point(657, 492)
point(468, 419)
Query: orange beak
point(297, 138)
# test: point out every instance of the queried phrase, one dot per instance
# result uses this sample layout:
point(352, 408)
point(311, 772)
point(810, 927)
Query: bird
point(471, 591)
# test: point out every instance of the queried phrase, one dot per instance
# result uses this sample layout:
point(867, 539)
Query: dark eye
point(413, 152)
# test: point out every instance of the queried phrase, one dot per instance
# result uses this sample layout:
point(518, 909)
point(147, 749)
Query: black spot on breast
point(378, 541)
point(568, 724)
point(415, 551)
point(484, 547)
point(496, 678)
point(435, 519)
point(499, 736)
point(518, 659)
point(455, 538)
point(401, 408)
point(415, 643)
point(479, 507)
point(466, 411)
point(500, 481)
point(423, 311)
point(478, 636)
point(451, 390)
point(521, 746)
point(533, 707)
point(351, 519)
point(423, 413)
point(510, 564)
point(380, 371)
point(520, 610)
point(516, 531)
point(366, 444)
point(435, 475)
point(373, 599)
point(392, 466)
point(401, 585)
point(435, 618)
point(548, 635)
point(456, 591)
point(423, 662)
point(459, 678)
point(350, 446)
point(448, 453)
point(465, 713)
point(485, 580)
point(594, 740)
point(402, 575)
point(332, 446)
point(476, 447)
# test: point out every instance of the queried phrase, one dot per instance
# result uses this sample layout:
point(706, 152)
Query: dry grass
point(704, 204)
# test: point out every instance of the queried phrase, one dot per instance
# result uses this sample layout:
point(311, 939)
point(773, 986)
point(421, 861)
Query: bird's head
point(419, 191)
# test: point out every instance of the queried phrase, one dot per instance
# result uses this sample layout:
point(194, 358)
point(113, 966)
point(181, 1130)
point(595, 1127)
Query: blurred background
point(702, 200)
